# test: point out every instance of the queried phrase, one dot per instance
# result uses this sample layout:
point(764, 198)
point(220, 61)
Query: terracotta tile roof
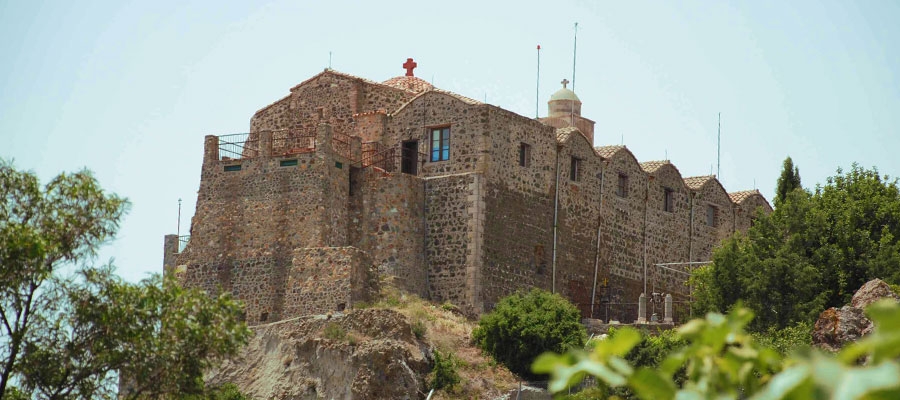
point(652, 166)
point(562, 134)
point(464, 99)
point(696, 182)
point(739, 197)
point(409, 83)
point(608, 151)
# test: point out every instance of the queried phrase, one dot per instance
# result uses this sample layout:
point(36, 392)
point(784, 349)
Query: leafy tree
point(722, 361)
point(41, 231)
point(523, 326)
point(70, 336)
point(788, 181)
point(812, 252)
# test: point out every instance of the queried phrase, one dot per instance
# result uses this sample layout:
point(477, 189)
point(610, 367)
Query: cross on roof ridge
point(565, 82)
point(410, 65)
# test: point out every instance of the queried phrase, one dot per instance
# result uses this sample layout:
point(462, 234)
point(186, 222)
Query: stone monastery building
point(457, 200)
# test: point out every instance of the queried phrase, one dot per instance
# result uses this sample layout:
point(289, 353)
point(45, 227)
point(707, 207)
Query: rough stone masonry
point(458, 200)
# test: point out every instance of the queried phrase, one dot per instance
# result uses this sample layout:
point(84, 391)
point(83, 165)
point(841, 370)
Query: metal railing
point(393, 159)
point(340, 144)
point(238, 146)
point(182, 242)
point(293, 141)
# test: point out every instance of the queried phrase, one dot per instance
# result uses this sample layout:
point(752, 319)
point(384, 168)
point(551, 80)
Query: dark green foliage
point(788, 340)
point(788, 181)
point(66, 337)
point(228, 391)
point(522, 326)
point(334, 331)
point(444, 374)
point(814, 251)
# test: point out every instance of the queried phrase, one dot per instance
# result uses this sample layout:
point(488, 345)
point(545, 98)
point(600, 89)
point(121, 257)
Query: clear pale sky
point(129, 89)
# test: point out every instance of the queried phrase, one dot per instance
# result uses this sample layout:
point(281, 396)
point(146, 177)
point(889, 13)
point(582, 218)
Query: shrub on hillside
point(523, 326)
point(443, 375)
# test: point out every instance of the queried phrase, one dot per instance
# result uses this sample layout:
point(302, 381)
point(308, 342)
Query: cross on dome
point(565, 82)
point(410, 65)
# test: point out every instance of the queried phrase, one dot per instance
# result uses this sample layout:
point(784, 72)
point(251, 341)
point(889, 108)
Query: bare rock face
point(368, 354)
point(871, 292)
point(836, 327)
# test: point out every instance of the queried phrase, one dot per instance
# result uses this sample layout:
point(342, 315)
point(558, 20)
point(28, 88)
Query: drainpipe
point(597, 256)
point(555, 218)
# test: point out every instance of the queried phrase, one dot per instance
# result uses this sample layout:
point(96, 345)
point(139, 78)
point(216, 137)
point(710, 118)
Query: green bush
point(419, 329)
point(444, 374)
point(334, 331)
point(523, 326)
point(788, 340)
point(722, 361)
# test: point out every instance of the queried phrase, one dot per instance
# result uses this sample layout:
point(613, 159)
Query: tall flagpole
point(537, 86)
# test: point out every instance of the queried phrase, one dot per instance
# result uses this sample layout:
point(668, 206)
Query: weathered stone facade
point(459, 200)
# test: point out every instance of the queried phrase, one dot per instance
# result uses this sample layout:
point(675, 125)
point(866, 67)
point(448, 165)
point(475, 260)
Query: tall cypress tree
point(788, 181)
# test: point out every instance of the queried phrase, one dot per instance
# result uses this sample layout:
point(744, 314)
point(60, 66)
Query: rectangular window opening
point(575, 170)
point(232, 168)
point(622, 186)
point(338, 165)
point(409, 157)
point(524, 155)
point(668, 200)
point(288, 163)
point(440, 144)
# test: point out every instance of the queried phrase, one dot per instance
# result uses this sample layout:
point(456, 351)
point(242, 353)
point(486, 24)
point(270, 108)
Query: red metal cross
point(410, 65)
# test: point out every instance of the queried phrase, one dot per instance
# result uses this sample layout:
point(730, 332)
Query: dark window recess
point(341, 306)
point(232, 168)
point(539, 262)
point(622, 186)
point(338, 165)
point(575, 170)
point(668, 200)
point(288, 163)
point(440, 144)
point(409, 160)
point(711, 215)
point(263, 317)
point(524, 154)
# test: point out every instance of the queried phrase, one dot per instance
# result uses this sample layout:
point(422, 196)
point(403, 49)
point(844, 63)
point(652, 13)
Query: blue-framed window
point(440, 144)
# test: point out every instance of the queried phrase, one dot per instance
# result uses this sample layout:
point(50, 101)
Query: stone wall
point(667, 230)
point(391, 222)
point(326, 279)
point(452, 233)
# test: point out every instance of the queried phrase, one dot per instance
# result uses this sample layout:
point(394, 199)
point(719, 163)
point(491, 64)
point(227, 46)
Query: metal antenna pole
point(719, 150)
point(178, 229)
point(574, 54)
point(537, 86)
point(329, 60)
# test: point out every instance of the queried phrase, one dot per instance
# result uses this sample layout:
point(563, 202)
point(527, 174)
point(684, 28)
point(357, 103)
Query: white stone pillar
point(642, 309)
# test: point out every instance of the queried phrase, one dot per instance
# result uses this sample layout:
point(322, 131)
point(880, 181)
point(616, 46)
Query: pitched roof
point(696, 182)
point(739, 197)
point(409, 83)
point(652, 166)
point(608, 151)
point(562, 134)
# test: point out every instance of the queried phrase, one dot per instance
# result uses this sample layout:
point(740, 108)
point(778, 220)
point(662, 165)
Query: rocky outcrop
point(836, 327)
point(365, 354)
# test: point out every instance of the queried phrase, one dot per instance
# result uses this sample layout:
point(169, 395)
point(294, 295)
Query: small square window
point(711, 215)
point(668, 200)
point(575, 170)
point(440, 144)
point(622, 186)
point(524, 155)
point(232, 168)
